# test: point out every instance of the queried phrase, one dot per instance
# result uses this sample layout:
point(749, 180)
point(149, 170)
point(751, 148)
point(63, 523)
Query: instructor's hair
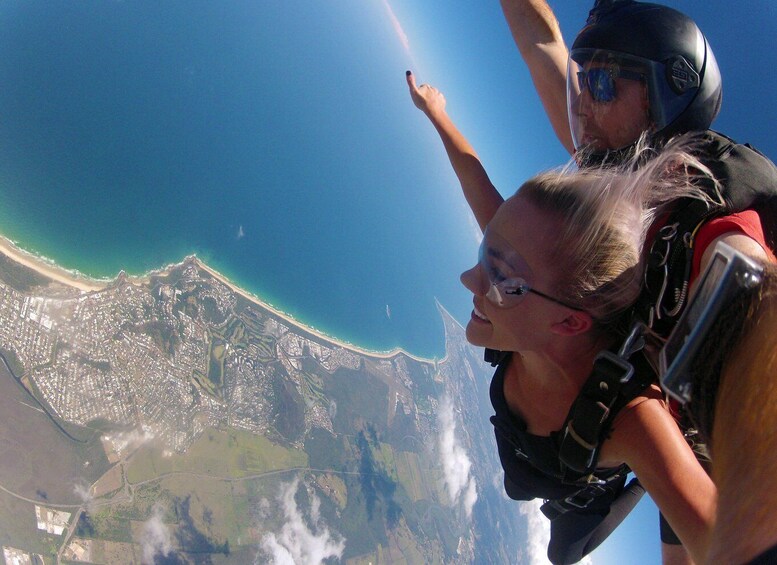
point(597, 258)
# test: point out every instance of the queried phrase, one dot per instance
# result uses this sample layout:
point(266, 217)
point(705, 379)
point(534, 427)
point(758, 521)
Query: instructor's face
point(614, 124)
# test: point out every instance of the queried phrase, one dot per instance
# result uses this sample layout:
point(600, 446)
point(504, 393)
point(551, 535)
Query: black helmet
point(683, 80)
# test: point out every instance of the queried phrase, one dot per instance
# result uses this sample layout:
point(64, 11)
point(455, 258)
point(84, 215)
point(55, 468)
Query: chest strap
point(586, 496)
point(578, 501)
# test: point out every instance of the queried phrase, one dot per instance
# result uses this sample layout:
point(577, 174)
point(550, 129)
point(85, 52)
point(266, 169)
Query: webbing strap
point(579, 500)
point(586, 420)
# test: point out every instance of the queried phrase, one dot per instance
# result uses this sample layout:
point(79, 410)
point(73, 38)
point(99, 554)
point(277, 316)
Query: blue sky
point(465, 49)
point(462, 47)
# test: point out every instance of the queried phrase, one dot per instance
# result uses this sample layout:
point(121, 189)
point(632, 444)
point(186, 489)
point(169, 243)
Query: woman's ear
point(577, 322)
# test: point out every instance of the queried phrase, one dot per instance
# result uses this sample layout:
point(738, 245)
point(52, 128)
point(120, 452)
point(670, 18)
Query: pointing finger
point(411, 81)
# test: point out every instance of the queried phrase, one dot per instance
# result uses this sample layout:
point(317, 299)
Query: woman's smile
point(479, 316)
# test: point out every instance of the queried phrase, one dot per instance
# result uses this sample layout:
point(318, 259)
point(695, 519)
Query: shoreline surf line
point(290, 319)
point(51, 270)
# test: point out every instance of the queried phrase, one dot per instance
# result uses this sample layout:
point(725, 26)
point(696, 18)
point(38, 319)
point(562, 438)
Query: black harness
point(748, 180)
point(565, 488)
point(613, 384)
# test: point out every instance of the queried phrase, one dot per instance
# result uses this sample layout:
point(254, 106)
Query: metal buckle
point(659, 260)
point(583, 498)
point(634, 342)
point(623, 367)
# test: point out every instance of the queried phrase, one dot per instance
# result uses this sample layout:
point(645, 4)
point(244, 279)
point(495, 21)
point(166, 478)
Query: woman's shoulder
point(638, 421)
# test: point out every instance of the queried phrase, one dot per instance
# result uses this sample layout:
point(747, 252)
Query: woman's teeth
point(479, 314)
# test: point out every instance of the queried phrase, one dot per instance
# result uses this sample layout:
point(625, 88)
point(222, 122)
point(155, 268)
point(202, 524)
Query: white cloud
point(155, 538)
point(240, 232)
point(456, 465)
point(297, 543)
point(470, 496)
point(264, 508)
point(497, 481)
point(124, 443)
point(538, 534)
point(332, 410)
point(83, 492)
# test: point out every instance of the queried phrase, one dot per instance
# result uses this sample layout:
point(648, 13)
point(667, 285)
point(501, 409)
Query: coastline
point(51, 270)
point(290, 319)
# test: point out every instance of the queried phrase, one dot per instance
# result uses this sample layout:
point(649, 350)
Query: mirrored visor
point(593, 80)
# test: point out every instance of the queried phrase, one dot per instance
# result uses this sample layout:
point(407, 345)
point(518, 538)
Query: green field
point(217, 454)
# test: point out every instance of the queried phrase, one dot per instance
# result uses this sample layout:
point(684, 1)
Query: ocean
point(276, 141)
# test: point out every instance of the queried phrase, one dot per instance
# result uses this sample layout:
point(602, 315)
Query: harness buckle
point(579, 500)
point(582, 433)
point(582, 498)
point(617, 363)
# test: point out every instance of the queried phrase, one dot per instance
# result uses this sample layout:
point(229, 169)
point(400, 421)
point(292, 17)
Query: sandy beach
point(48, 269)
point(86, 284)
point(288, 318)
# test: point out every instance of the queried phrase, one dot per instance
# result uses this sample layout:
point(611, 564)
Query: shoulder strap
point(748, 180)
point(603, 394)
point(585, 423)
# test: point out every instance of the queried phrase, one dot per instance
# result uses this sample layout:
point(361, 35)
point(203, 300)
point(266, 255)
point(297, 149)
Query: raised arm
point(481, 195)
point(538, 36)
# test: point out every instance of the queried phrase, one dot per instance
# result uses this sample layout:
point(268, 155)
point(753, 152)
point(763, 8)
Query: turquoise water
point(274, 140)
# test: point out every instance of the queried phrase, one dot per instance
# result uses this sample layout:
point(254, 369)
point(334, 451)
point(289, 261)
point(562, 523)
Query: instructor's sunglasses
point(600, 81)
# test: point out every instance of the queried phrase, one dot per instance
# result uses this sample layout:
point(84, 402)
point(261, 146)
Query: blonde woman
point(560, 266)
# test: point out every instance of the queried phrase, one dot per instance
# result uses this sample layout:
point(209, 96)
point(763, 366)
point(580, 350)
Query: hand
point(426, 98)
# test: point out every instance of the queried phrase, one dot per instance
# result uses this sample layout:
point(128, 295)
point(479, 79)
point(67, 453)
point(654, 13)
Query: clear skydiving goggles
point(729, 275)
point(504, 271)
point(671, 85)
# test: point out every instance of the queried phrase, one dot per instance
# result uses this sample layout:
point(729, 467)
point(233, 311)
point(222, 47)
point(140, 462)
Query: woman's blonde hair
point(598, 257)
